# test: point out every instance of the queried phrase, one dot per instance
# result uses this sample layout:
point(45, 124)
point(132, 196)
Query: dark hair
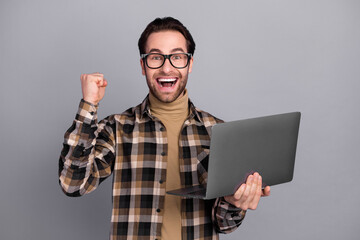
point(164, 24)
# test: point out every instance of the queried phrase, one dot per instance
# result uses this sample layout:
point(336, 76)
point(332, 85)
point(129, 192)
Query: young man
point(159, 145)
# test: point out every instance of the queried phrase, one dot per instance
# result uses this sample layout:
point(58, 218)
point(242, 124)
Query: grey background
point(253, 58)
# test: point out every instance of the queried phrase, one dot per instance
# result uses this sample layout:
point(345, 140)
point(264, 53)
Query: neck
point(177, 108)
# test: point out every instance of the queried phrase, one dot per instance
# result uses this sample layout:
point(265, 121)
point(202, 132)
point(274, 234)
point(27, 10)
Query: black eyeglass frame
point(144, 57)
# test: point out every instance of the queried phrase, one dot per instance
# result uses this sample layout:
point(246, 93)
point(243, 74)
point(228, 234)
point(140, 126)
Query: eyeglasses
point(157, 60)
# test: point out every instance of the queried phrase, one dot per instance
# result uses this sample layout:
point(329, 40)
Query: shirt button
point(161, 181)
point(158, 210)
point(163, 154)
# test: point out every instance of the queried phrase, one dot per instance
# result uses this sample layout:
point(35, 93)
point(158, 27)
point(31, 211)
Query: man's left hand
point(248, 194)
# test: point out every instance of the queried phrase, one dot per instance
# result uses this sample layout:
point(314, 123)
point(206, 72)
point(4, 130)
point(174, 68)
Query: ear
point(142, 66)
point(190, 64)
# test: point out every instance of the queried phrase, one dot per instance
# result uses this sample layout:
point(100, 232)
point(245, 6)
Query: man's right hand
point(93, 87)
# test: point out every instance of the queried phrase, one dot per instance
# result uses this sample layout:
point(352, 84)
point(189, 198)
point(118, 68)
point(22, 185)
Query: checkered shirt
point(133, 146)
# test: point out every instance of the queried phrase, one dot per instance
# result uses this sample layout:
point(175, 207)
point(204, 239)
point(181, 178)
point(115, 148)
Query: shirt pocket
point(202, 166)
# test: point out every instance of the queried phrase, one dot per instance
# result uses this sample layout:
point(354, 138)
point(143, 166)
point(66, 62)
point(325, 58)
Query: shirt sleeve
point(88, 153)
point(226, 217)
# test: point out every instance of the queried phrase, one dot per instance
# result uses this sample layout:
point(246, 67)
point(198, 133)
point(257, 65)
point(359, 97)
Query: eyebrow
point(156, 50)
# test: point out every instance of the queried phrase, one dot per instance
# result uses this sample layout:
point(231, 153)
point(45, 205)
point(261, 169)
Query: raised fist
point(93, 87)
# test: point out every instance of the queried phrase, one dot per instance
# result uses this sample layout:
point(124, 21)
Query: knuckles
point(237, 196)
point(246, 195)
point(244, 206)
point(92, 76)
point(253, 206)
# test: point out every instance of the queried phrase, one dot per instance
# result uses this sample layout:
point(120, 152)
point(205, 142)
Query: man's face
point(166, 42)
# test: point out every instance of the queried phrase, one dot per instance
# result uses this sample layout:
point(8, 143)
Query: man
point(159, 145)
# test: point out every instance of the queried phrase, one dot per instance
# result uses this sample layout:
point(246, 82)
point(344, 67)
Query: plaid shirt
point(133, 146)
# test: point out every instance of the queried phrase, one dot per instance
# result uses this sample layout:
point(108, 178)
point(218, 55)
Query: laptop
point(239, 148)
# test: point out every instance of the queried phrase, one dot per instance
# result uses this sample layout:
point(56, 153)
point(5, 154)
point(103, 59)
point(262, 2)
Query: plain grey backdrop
point(253, 58)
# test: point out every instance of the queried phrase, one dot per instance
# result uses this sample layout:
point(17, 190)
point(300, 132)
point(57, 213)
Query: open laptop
point(239, 148)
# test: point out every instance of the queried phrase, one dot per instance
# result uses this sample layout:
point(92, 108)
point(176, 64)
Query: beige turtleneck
point(172, 115)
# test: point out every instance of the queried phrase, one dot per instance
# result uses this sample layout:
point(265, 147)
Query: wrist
point(91, 102)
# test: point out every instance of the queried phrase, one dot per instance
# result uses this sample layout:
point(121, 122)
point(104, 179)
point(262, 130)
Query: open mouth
point(167, 82)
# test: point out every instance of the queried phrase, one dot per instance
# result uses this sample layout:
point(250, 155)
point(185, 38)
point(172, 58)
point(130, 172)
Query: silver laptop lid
point(266, 145)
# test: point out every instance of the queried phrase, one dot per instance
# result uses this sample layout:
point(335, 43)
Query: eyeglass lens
point(179, 60)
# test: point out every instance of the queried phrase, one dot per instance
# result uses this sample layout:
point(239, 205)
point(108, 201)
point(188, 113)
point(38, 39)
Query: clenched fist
point(93, 87)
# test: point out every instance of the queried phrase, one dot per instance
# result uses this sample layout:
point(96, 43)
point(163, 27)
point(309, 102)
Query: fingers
point(98, 78)
point(266, 191)
point(251, 191)
point(249, 188)
point(238, 194)
point(93, 87)
point(248, 194)
point(256, 194)
point(105, 83)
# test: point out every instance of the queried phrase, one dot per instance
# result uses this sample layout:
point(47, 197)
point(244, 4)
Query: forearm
point(88, 152)
point(226, 217)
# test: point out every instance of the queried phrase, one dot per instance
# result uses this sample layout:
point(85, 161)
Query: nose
point(167, 67)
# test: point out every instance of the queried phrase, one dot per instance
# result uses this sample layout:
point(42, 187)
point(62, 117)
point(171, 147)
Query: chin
point(166, 98)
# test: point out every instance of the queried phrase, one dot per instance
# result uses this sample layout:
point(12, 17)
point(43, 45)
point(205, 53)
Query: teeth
point(167, 79)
